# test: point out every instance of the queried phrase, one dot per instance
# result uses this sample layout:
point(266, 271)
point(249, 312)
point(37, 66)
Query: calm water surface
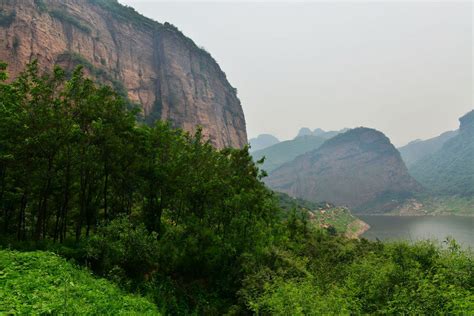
point(415, 228)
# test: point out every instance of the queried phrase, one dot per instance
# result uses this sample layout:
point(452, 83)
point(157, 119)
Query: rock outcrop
point(360, 169)
point(154, 64)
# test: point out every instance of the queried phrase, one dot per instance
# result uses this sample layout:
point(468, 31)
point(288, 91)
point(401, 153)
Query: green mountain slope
point(419, 149)
point(43, 283)
point(282, 152)
point(286, 151)
point(450, 171)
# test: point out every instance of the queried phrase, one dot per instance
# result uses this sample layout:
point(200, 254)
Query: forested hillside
point(286, 151)
point(420, 149)
point(163, 214)
point(450, 171)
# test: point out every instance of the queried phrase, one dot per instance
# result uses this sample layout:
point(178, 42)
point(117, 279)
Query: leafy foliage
point(320, 274)
point(73, 156)
point(162, 213)
point(43, 283)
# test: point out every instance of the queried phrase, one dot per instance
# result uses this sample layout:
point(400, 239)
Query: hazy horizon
point(404, 68)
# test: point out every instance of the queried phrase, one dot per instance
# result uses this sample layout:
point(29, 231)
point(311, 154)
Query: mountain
point(304, 131)
point(288, 150)
point(360, 169)
point(419, 149)
point(262, 141)
point(450, 171)
point(153, 64)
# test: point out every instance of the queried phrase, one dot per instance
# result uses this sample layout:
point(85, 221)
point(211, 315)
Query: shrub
point(124, 249)
point(41, 6)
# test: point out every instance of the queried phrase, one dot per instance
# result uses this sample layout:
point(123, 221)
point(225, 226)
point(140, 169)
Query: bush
point(41, 6)
point(124, 250)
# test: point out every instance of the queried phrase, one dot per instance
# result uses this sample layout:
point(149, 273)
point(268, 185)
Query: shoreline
point(415, 215)
point(361, 228)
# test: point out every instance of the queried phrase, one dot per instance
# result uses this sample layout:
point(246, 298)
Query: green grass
point(44, 283)
point(337, 217)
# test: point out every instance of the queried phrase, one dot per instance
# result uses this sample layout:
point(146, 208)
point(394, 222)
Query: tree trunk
point(106, 183)
point(22, 217)
point(41, 219)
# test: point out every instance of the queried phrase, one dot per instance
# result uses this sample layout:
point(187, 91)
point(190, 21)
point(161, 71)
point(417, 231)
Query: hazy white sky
point(402, 67)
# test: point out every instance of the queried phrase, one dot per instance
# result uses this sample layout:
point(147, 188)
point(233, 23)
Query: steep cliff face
point(360, 169)
point(154, 64)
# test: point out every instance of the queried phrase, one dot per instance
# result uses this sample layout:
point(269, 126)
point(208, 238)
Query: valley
point(129, 186)
point(300, 168)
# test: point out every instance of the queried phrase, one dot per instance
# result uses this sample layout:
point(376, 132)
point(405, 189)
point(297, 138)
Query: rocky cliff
point(154, 64)
point(360, 169)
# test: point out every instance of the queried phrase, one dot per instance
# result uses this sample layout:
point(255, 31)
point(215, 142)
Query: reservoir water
point(414, 228)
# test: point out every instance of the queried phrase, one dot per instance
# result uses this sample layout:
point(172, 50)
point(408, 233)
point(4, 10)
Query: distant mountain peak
point(318, 132)
point(304, 131)
point(262, 141)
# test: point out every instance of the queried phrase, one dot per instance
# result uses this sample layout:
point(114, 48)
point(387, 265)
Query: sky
point(404, 67)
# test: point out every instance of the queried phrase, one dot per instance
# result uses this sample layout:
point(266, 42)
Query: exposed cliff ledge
point(154, 64)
